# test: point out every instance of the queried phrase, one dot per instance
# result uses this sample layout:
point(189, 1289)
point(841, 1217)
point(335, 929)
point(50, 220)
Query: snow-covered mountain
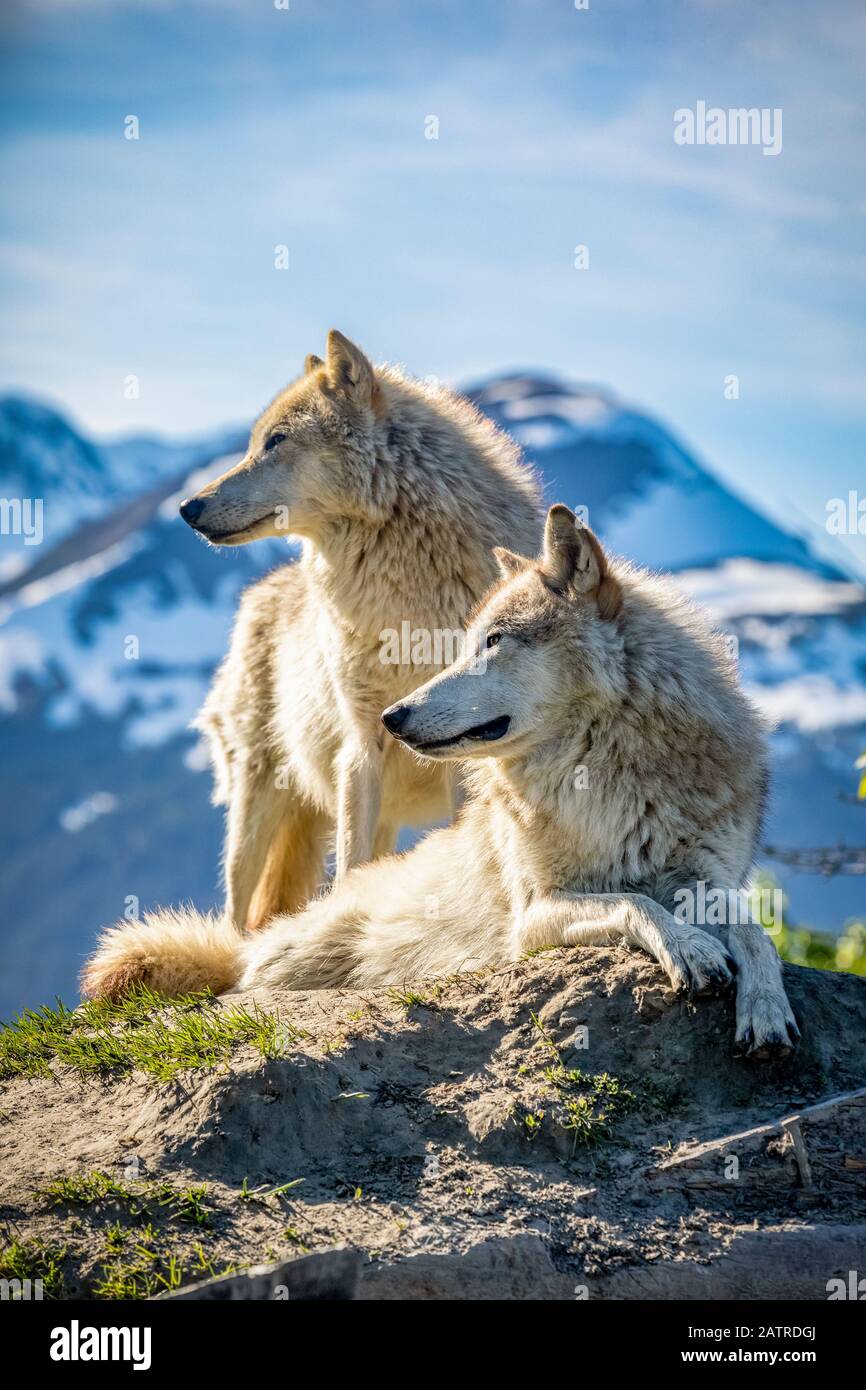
point(110, 628)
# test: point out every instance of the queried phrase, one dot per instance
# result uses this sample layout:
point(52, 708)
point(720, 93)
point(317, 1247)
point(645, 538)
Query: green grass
point(410, 999)
point(147, 1274)
point(145, 1270)
point(31, 1259)
point(143, 1033)
point(137, 1199)
point(115, 1238)
point(141, 1259)
point(295, 1238)
point(584, 1106)
point(263, 1193)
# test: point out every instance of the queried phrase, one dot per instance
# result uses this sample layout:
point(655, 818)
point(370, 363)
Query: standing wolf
point(399, 493)
point(614, 764)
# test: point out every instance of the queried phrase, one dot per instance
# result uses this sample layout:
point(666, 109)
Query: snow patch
point(741, 587)
point(70, 576)
point(587, 412)
point(811, 703)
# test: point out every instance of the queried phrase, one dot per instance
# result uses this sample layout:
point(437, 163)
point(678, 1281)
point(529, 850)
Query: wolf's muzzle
point(395, 717)
point(191, 510)
point(488, 732)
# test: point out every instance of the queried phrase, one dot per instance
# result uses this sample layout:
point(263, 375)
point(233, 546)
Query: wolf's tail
point(174, 951)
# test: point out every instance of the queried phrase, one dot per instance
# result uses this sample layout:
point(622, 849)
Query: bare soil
point(442, 1133)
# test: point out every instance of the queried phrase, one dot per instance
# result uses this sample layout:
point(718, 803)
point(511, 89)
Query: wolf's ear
point(350, 373)
point(312, 363)
point(574, 562)
point(509, 562)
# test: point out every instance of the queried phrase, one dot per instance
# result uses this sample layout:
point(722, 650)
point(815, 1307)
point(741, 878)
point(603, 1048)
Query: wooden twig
point(795, 1134)
point(838, 859)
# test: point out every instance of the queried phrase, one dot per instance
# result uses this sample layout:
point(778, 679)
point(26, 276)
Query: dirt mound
point(563, 1127)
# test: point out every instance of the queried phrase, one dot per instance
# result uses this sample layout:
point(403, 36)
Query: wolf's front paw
point(766, 1027)
point(697, 963)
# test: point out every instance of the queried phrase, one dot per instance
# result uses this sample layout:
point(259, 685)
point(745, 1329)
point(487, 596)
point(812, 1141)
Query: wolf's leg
point(275, 848)
point(294, 865)
point(212, 728)
point(693, 960)
point(766, 1026)
point(385, 839)
point(254, 812)
point(359, 797)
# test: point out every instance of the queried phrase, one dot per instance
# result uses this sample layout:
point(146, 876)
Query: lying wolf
point(399, 493)
point(612, 762)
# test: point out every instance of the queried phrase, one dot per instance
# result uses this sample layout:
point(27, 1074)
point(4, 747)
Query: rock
point(333, 1275)
point(517, 1267)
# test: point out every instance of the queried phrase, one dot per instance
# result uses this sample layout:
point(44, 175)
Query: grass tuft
point(585, 1106)
point(144, 1033)
point(141, 1259)
point(411, 999)
point(31, 1260)
point(138, 1199)
point(147, 1271)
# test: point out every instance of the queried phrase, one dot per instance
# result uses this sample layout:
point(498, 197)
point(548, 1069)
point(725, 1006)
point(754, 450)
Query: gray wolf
point(611, 761)
point(399, 492)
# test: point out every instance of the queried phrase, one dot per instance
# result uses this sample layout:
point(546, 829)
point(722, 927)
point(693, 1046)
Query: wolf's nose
point(395, 718)
point(191, 510)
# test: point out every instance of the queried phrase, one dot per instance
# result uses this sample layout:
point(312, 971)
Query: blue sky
point(306, 127)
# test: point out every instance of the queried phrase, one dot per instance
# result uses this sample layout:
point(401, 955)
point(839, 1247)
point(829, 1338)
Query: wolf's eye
point(493, 639)
point(273, 441)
